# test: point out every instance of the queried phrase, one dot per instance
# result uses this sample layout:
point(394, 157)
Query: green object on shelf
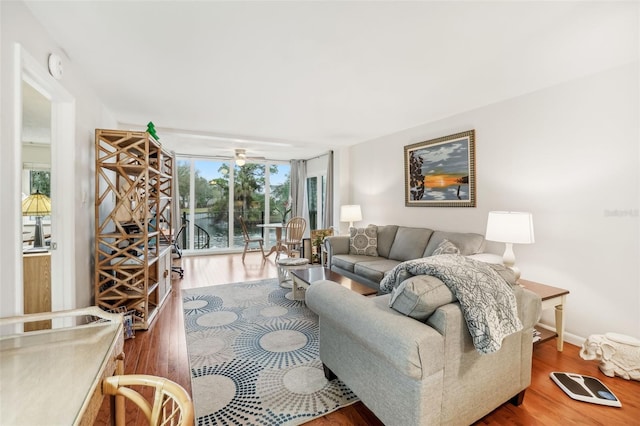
point(151, 129)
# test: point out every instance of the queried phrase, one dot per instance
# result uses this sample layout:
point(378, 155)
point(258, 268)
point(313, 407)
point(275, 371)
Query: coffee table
point(302, 279)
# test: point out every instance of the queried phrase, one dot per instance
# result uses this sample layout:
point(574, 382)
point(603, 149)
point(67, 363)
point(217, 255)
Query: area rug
point(254, 357)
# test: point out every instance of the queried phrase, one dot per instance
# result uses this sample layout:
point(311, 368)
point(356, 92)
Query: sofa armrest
point(529, 307)
point(410, 346)
point(336, 244)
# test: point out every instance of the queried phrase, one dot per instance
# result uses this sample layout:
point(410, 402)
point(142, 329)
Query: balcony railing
point(211, 229)
point(202, 238)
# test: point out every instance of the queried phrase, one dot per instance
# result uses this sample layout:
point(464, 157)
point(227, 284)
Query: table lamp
point(37, 205)
point(350, 213)
point(510, 228)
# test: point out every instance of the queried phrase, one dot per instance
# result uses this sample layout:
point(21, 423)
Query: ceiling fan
point(241, 157)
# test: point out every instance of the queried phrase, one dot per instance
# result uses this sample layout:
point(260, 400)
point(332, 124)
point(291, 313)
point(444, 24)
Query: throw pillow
point(446, 247)
point(364, 240)
point(420, 296)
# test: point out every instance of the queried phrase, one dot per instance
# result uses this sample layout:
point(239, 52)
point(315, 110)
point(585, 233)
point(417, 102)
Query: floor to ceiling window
point(249, 199)
point(214, 193)
point(211, 204)
point(279, 198)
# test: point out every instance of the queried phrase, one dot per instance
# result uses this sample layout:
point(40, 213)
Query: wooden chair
point(248, 240)
point(172, 405)
point(294, 231)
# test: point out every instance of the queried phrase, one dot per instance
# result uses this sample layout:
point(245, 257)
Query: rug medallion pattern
point(254, 357)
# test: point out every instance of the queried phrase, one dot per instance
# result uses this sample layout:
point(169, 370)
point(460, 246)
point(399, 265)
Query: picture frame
point(441, 172)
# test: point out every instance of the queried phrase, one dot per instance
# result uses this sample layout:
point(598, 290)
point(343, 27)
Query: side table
point(552, 297)
point(285, 265)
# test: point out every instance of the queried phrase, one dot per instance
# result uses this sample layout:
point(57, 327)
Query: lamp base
point(509, 259)
point(38, 236)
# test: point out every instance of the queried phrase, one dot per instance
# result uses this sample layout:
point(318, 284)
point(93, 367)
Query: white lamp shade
point(510, 227)
point(350, 213)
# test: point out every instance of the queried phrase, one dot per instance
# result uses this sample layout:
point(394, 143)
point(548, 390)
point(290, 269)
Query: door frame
point(63, 282)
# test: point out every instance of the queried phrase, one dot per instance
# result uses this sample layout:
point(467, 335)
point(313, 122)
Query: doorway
point(34, 82)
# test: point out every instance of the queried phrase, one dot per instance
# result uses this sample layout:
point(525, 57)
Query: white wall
point(19, 26)
point(570, 155)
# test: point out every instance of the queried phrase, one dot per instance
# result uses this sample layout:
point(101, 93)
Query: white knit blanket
point(486, 299)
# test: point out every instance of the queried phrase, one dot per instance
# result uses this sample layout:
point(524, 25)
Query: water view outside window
point(191, 210)
point(215, 183)
point(211, 211)
point(279, 199)
point(248, 199)
point(250, 195)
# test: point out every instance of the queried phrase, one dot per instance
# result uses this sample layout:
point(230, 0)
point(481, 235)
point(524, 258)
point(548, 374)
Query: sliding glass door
point(279, 198)
point(316, 193)
point(214, 193)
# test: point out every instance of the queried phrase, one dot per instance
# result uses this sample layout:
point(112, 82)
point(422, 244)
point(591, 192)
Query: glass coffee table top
point(307, 276)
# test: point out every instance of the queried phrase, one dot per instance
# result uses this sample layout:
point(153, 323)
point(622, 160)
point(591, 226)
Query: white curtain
point(176, 220)
point(327, 213)
point(299, 205)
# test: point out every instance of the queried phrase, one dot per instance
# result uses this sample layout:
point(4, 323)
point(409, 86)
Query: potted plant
point(317, 239)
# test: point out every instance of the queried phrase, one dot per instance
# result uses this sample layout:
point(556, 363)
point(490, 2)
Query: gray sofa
point(395, 245)
point(409, 371)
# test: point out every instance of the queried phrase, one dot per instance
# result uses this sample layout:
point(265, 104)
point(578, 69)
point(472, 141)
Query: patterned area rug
point(254, 357)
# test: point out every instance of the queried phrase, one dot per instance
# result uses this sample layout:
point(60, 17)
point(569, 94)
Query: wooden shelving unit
point(133, 223)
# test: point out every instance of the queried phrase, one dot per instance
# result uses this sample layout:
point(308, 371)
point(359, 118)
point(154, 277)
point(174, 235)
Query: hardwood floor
point(161, 351)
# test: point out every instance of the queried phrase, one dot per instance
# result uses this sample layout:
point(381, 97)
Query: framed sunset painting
point(441, 172)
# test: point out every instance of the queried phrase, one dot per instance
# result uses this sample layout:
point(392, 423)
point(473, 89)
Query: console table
point(55, 376)
point(552, 297)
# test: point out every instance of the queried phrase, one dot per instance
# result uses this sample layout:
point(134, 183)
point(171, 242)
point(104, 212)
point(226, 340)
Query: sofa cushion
point(409, 243)
point(468, 243)
point(348, 261)
point(364, 240)
point(386, 235)
point(420, 296)
point(446, 247)
point(374, 269)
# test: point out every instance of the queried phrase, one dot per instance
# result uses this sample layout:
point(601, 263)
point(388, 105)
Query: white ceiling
point(293, 79)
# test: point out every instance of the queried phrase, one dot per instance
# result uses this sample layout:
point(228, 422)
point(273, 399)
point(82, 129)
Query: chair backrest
point(295, 229)
point(177, 239)
point(172, 404)
point(245, 232)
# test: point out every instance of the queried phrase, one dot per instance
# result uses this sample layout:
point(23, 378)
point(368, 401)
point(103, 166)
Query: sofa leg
point(328, 374)
point(517, 400)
